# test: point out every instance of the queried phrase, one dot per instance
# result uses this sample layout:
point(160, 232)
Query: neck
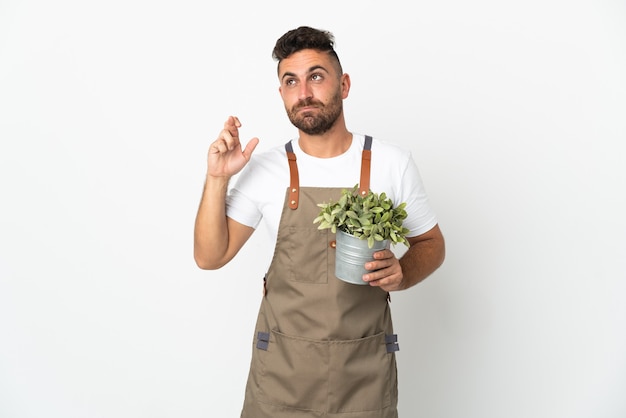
point(330, 144)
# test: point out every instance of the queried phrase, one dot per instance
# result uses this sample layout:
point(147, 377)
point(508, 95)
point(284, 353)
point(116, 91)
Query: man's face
point(312, 90)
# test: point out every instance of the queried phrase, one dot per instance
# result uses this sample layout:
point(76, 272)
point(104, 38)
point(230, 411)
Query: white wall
point(514, 111)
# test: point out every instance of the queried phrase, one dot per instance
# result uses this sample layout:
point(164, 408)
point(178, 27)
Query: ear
point(345, 85)
point(280, 91)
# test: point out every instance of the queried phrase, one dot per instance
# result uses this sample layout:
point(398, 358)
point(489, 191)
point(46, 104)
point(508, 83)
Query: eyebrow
point(310, 70)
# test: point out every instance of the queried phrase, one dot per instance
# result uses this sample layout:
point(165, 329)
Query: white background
point(514, 111)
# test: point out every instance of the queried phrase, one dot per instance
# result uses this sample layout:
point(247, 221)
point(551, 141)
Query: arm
point(218, 238)
point(424, 256)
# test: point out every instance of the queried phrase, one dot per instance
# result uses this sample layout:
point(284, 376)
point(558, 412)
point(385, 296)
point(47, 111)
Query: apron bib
point(323, 347)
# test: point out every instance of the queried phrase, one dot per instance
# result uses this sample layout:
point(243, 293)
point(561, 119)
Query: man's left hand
point(386, 271)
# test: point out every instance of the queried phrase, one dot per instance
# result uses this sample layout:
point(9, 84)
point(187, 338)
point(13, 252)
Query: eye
point(289, 82)
point(317, 77)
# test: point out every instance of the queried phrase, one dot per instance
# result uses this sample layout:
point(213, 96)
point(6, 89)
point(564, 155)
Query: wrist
point(216, 182)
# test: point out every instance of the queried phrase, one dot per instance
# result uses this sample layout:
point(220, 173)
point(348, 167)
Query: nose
point(305, 91)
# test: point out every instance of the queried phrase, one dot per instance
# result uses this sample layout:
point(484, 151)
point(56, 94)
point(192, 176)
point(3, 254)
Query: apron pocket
point(360, 377)
point(308, 255)
point(349, 376)
point(294, 372)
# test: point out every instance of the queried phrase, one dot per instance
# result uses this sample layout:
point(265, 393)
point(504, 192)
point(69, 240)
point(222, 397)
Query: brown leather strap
point(366, 159)
point(294, 181)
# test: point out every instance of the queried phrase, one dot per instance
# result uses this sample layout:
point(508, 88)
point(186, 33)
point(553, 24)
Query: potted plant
point(364, 224)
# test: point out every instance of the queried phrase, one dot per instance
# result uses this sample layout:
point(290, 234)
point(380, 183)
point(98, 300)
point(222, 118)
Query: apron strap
point(294, 181)
point(366, 159)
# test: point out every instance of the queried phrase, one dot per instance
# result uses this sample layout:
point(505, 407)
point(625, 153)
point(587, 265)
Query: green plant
point(371, 217)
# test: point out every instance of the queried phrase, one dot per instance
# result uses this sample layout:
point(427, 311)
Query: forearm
point(425, 255)
point(211, 227)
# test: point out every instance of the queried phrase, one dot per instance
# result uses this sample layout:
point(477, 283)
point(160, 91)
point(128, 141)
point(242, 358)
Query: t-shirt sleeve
point(242, 209)
point(241, 204)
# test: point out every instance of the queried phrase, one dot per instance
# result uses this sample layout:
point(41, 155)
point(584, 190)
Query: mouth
point(306, 109)
point(307, 106)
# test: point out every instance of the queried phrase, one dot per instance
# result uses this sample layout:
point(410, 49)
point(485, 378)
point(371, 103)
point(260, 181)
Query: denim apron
point(322, 347)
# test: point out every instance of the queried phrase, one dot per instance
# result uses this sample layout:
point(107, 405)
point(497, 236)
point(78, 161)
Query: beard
point(316, 123)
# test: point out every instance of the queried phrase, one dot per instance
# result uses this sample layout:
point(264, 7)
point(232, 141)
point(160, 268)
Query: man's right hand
point(226, 157)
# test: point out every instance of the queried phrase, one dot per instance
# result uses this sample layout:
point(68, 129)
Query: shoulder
point(271, 160)
point(386, 153)
point(387, 147)
point(270, 155)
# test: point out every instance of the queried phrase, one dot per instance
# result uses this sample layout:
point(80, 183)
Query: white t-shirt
point(259, 191)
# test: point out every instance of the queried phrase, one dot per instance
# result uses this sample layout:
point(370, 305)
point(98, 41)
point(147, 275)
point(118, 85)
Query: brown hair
point(305, 37)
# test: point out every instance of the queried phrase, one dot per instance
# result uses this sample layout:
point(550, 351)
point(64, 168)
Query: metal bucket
point(351, 255)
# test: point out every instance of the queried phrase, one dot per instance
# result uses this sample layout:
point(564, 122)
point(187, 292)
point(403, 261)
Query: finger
point(227, 138)
point(382, 281)
point(232, 125)
point(379, 264)
point(232, 121)
point(250, 146)
point(218, 147)
point(382, 254)
point(387, 283)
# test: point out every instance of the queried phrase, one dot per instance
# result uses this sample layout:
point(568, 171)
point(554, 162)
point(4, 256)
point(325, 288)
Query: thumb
point(250, 146)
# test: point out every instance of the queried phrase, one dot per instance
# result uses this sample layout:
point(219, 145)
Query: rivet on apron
point(333, 244)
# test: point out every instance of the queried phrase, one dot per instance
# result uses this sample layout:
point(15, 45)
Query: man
point(322, 347)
